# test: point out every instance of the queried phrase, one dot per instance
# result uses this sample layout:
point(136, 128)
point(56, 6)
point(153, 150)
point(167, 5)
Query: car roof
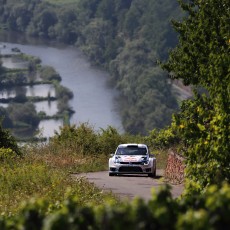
point(132, 144)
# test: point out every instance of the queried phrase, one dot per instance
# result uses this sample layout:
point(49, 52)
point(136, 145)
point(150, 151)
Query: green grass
point(161, 157)
point(45, 174)
point(45, 170)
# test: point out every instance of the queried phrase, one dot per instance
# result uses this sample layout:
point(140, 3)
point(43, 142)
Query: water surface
point(94, 102)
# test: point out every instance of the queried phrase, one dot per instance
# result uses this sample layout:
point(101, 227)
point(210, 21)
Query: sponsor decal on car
point(130, 159)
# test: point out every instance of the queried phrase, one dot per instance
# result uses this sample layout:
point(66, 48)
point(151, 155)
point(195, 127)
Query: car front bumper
point(131, 168)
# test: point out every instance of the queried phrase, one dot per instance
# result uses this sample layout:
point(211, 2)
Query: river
point(94, 102)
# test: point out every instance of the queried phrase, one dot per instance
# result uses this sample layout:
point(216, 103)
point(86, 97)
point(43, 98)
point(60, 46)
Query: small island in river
point(28, 91)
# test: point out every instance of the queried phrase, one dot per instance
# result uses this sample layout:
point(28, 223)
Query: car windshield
point(131, 150)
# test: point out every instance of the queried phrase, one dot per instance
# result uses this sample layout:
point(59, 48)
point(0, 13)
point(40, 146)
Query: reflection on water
point(30, 91)
point(93, 101)
point(40, 90)
point(11, 63)
point(48, 127)
point(50, 108)
point(3, 105)
point(7, 93)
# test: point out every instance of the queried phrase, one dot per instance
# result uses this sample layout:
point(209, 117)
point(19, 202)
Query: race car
point(132, 159)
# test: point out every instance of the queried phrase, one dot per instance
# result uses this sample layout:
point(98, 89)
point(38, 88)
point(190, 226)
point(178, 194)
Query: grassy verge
point(43, 174)
point(44, 170)
point(161, 157)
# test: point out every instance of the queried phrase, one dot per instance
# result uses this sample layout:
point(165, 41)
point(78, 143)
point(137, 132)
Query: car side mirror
point(111, 154)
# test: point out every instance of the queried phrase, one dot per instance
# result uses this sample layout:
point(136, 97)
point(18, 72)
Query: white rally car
point(132, 159)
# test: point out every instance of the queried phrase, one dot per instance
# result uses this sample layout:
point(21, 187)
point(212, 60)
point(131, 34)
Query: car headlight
point(145, 160)
point(117, 160)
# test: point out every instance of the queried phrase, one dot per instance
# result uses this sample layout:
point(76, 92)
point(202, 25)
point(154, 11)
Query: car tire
point(154, 174)
point(111, 174)
point(151, 175)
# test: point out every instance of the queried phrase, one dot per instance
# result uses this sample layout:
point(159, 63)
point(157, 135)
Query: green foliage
point(23, 114)
point(62, 91)
point(33, 178)
point(163, 139)
point(203, 50)
point(6, 122)
point(202, 59)
point(12, 78)
point(204, 132)
point(205, 211)
point(48, 73)
point(7, 154)
point(81, 139)
point(85, 140)
point(8, 144)
point(109, 139)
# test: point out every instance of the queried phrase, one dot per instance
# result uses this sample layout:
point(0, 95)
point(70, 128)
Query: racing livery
point(132, 159)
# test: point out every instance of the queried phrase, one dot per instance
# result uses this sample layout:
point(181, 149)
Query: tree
point(6, 122)
point(23, 113)
point(202, 59)
point(43, 22)
point(7, 141)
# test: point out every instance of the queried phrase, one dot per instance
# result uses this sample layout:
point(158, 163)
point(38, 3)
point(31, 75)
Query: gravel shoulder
point(130, 186)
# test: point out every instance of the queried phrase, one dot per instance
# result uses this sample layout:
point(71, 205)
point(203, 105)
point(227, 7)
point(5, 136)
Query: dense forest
point(127, 38)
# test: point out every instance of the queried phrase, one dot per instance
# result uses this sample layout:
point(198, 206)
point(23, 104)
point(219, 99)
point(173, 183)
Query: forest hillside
point(127, 38)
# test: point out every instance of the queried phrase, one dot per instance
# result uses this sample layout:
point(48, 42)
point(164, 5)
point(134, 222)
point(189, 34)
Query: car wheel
point(111, 174)
point(151, 175)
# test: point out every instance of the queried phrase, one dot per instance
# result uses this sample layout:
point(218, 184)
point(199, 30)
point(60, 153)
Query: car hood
point(130, 158)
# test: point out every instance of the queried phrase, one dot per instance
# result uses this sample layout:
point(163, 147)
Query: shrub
point(204, 132)
point(82, 139)
point(108, 140)
point(204, 211)
point(7, 141)
point(162, 139)
point(49, 74)
point(7, 154)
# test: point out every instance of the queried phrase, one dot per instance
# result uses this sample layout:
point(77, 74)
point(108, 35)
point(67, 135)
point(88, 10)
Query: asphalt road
point(130, 186)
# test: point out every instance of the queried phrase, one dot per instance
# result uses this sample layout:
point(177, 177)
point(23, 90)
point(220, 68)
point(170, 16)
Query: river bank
point(94, 102)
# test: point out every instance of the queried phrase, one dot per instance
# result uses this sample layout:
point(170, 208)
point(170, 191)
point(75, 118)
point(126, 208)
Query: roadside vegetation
point(37, 190)
point(43, 170)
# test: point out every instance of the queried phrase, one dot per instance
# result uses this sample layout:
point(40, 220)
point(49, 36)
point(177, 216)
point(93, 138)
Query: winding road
point(130, 186)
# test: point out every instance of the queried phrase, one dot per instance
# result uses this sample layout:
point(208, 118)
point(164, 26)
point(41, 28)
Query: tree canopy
point(202, 59)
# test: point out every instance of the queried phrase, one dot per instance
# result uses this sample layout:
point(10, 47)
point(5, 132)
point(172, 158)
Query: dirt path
point(130, 186)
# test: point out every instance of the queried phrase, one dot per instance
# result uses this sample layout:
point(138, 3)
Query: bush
point(204, 211)
point(82, 139)
point(49, 74)
point(204, 132)
point(85, 140)
point(108, 140)
point(8, 142)
point(162, 139)
point(7, 154)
